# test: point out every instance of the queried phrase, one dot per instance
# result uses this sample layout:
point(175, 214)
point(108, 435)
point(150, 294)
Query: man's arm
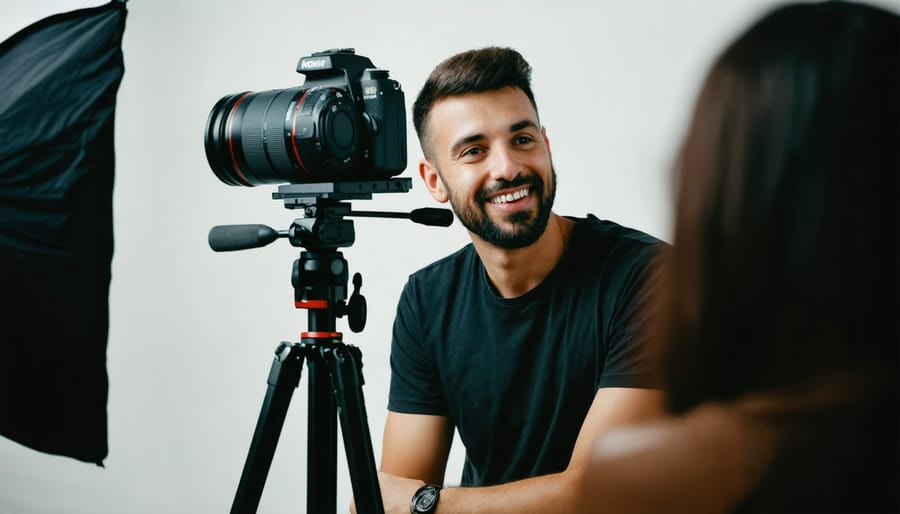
point(612, 407)
point(416, 446)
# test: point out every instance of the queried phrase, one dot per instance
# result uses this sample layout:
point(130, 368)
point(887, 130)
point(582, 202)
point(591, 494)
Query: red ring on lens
point(228, 127)
point(294, 131)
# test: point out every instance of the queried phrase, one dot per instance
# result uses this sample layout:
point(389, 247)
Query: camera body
point(346, 122)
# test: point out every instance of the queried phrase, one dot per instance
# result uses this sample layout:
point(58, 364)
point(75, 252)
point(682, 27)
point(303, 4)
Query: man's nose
point(503, 164)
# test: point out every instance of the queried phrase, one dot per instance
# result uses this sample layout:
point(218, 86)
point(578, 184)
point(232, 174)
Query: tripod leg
point(346, 363)
point(284, 376)
point(321, 476)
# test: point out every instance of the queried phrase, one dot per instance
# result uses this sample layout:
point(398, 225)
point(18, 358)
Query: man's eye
point(524, 140)
point(471, 151)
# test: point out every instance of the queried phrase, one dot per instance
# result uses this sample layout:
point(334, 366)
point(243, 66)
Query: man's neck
point(515, 272)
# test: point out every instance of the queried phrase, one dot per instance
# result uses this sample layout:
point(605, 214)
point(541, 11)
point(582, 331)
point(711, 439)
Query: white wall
point(192, 332)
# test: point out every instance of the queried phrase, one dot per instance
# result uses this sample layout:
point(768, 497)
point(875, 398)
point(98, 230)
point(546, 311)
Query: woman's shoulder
point(705, 461)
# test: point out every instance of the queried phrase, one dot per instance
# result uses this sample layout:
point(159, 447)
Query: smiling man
point(528, 341)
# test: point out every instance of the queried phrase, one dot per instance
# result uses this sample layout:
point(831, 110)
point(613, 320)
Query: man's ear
point(433, 181)
point(546, 139)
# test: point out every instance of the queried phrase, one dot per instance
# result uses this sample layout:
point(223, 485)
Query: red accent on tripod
point(311, 304)
point(321, 335)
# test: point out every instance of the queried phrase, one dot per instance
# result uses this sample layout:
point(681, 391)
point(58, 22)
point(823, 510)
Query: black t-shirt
point(517, 376)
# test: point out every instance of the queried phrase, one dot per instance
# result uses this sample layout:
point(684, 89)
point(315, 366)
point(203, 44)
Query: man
point(527, 340)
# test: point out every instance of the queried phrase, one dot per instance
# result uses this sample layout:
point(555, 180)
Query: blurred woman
point(778, 320)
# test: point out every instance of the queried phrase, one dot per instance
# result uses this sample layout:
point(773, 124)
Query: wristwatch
point(425, 500)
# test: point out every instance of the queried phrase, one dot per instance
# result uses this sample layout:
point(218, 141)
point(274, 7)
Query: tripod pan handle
point(226, 238)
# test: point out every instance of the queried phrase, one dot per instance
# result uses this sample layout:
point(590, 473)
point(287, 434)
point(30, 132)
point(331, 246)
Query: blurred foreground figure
point(778, 328)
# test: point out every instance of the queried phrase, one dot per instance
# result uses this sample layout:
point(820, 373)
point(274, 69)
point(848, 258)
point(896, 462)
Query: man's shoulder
point(437, 283)
point(447, 267)
point(606, 232)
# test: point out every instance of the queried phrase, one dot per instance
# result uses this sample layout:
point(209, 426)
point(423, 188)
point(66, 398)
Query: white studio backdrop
point(192, 332)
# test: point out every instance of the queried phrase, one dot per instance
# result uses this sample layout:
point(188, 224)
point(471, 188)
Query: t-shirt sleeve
point(626, 361)
point(414, 388)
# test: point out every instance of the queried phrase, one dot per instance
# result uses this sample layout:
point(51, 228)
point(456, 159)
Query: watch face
point(425, 500)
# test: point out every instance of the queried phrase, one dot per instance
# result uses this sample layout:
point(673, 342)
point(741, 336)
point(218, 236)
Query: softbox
point(59, 78)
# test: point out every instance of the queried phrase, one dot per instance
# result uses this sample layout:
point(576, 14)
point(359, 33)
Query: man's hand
point(396, 493)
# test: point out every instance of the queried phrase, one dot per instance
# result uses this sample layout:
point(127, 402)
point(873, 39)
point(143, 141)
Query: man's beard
point(527, 228)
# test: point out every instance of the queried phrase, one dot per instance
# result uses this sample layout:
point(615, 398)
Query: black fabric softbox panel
point(58, 83)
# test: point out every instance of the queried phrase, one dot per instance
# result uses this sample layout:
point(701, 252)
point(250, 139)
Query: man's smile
point(510, 197)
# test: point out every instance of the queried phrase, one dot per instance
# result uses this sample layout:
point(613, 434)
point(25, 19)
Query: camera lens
point(286, 135)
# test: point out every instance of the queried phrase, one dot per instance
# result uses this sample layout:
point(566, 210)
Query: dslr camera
point(346, 122)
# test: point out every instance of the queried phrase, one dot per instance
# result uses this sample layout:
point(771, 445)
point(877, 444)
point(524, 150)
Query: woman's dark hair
point(785, 258)
point(785, 264)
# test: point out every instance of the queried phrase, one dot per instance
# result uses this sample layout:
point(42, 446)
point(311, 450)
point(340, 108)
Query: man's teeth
point(511, 197)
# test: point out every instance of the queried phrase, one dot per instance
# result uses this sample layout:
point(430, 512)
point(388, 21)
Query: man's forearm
point(539, 495)
point(613, 407)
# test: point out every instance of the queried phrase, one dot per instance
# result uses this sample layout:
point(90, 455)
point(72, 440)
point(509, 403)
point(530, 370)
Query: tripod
point(334, 368)
point(335, 381)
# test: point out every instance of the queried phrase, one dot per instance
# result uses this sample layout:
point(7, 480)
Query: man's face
point(491, 159)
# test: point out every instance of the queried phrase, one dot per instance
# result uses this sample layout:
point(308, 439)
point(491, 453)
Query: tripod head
point(322, 225)
point(320, 274)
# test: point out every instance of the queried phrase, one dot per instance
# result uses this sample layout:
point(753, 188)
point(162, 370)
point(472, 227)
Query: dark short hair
point(473, 71)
